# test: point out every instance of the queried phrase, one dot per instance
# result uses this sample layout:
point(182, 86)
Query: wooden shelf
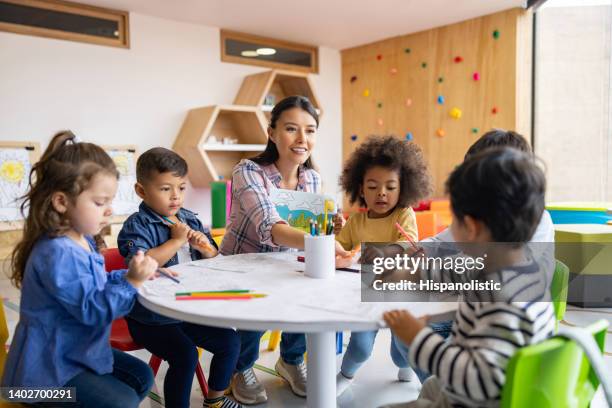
point(238, 147)
point(277, 83)
point(214, 162)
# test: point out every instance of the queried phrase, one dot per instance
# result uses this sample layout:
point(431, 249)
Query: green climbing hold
point(474, 130)
point(407, 50)
point(496, 34)
point(379, 104)
point(440, 80)
point(424, 65)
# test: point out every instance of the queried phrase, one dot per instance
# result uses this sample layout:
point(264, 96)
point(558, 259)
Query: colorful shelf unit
point(268, 88)
point(580, 212)
point(214, 161)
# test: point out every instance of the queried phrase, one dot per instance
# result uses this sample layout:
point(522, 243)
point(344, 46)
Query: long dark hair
point(65, 166)
point(270, 154)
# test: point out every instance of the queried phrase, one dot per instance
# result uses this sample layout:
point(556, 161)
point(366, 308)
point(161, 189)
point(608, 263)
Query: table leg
point(321, 381)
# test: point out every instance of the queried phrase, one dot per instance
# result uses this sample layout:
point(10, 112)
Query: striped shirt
point(253, 214)
point(487, 330)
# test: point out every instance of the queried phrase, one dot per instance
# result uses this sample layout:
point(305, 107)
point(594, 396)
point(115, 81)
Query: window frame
point(121, 17)
point(234, 35)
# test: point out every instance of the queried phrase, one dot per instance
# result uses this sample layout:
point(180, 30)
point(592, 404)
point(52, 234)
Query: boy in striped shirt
point(497, 199)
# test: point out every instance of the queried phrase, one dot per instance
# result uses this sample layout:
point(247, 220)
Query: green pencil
point(212, 291)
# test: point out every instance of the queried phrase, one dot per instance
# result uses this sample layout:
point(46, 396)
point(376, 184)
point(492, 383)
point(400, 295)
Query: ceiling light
point(266, 51)
point(249, 53)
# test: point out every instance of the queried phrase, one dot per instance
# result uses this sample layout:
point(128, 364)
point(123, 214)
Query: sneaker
point(405, 374)
point(247, 389)
point(342, 384)
point(221, 402)
point(294, 374)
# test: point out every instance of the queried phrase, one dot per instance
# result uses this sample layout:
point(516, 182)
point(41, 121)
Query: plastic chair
point(552, 374)
point(120, 337)
point(558, 290)
point(275, 338)
point(427, 223)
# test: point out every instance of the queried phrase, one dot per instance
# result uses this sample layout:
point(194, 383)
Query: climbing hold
point(407, 50)
point(475, 130)
point(379, 122)
point(424, 64)
point(440, 100)
point(476, 76)
point(379, 57)
point(440, 80)
point(379, 105)
point(440, 132)
point(495, 110)
point(353, 137)
point(408, 102)
point(409, 136)
point(458, 59)
point(455, 113)
point(393, 71)
point(366, 92)
point(496, 34)
point(353, 78)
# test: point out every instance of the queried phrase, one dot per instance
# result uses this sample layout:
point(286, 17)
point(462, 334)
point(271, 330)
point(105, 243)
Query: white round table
point(295, 303)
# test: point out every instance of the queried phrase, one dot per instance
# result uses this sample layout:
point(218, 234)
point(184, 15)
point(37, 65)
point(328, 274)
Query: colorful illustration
point(126, 201)
point(299, 207)
point(15, 169)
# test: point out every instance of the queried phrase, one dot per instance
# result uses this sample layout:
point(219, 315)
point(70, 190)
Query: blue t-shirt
point(68, 303)
point(145, 230)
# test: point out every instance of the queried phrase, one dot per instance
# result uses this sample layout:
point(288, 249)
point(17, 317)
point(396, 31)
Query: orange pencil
point(405, 234)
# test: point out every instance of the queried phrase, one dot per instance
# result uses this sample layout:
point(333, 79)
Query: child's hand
point(200, 241)
point(341, 252)
point(141, 268)
point(404, 325)
point(180, 232)
point(167, 270)
point(339, 222)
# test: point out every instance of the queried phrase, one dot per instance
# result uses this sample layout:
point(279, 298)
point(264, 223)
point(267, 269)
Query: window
point(66, 21)
point(573, 104)
point(252, 50)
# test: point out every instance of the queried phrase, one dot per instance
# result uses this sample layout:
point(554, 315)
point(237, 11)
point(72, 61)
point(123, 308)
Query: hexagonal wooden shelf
point(278, 84)
point(215, 161)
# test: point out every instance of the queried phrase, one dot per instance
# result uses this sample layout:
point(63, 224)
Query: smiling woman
point(255, 226)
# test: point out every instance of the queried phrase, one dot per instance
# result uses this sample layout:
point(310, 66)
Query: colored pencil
point(167, 275)
point(221, 296)
point(405, 234)
point(214, 291)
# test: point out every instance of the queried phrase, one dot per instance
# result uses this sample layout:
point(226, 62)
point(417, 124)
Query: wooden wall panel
point(503, 65)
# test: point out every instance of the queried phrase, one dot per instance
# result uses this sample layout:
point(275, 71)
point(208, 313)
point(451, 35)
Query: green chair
point(552, 374)
point(558, 290)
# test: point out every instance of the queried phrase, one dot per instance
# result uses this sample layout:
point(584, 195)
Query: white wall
point(138, 96)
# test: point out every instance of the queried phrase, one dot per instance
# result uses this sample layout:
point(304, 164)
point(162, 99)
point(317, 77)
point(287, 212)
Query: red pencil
point(213, 298)
point(405, 234)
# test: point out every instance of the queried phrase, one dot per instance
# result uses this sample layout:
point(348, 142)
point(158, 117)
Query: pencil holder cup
point(320, 252)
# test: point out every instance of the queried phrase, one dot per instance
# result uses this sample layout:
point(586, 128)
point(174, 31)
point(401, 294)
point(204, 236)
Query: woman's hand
point(141, 268)
point(404, 325)
point(339, 222)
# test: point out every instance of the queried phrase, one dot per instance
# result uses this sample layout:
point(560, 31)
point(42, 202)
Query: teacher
point(255, 226)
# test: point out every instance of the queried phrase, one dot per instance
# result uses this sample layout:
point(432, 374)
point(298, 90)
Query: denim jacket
point(145, 230)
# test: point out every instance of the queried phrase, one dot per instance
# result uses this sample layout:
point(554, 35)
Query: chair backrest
point(558, 289)
point(3, 337)
point(113, 259)
point(552, 374)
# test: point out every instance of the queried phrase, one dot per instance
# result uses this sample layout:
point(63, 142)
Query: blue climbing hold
point(440, 99)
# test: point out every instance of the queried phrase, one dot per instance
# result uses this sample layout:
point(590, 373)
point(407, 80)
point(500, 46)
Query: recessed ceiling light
point(249, 53)
point(266, 51)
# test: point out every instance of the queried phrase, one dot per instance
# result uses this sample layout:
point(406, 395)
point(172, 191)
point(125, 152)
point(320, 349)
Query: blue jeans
point(176, 344)
point(360, 348)
point(443, 329)
point(125, 387)
point(292, 348)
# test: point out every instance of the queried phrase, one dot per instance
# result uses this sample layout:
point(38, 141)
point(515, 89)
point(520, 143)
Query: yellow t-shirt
point(360, 228)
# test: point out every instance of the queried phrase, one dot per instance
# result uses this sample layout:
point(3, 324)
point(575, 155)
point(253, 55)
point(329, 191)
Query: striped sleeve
point(474, 368)
point(249, 190)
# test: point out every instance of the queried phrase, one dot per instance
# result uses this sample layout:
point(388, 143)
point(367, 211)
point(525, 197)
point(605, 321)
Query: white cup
point(320, 253)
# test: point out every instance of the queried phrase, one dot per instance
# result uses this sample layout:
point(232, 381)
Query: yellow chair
point(3, 338)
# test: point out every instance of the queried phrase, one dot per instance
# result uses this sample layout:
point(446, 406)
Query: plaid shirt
point(253, 214)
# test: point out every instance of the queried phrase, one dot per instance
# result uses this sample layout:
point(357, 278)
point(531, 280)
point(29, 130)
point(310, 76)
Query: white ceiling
point(336, 24)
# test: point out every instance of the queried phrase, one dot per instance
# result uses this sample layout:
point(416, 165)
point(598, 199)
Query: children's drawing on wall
point(298, 208)
point(15, 166)
point(126, 201)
